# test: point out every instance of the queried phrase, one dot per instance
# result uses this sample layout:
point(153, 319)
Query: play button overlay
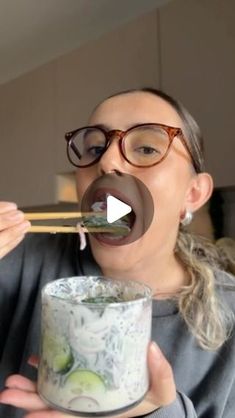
point(118, 209)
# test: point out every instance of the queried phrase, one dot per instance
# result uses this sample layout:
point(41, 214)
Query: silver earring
point(187, 219)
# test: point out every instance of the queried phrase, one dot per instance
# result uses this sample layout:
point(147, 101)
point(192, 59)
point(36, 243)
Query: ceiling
point(34, 32)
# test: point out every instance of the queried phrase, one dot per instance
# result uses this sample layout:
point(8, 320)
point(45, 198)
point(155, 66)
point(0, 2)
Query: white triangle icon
point(116, 209)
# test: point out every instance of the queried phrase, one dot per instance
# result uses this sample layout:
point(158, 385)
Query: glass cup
point(94, 339)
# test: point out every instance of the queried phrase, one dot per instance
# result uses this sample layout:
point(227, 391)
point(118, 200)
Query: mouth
point(118, 232)
point(120, 210)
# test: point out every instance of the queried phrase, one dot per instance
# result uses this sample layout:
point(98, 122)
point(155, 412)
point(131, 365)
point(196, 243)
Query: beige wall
point(36, 109)
point(198, 67)
point(188, 49)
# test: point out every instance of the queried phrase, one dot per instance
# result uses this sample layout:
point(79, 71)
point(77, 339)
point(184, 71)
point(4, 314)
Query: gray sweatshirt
point(205, 380)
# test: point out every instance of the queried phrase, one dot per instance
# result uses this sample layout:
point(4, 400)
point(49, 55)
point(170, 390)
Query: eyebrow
point(108, 128)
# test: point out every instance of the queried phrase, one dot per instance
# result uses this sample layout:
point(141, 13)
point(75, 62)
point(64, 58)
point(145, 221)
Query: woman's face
point(168, 181)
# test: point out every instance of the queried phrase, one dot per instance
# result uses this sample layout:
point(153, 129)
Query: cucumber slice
point(57, 353)
point(85, 382)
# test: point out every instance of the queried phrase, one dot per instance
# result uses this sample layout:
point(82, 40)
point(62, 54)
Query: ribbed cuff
point(182, 407)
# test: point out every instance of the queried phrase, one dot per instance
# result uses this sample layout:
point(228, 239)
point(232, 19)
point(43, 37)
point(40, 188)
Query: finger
point(10, 218)
point(5, 249)
point(162, 385)
point(7, 206)
point(16, 381)
point(8, 233)
point(22, 399)
point(9, 236)
point(33, 361)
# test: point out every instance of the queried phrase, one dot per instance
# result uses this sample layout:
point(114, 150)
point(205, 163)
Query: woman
point(191, 368)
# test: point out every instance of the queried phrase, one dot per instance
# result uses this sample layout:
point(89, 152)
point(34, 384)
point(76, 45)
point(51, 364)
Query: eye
point(146, 150)
point(95, 150)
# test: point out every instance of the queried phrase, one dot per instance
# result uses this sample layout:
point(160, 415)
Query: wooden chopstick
point(72, 229)
point(59, 215)
point(53, 229)
point(69, 229)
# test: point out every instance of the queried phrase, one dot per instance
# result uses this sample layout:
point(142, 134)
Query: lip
point(103, 191)
point(103, 238)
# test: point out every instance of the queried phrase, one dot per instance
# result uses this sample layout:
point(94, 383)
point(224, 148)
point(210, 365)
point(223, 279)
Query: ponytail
point(209, 320)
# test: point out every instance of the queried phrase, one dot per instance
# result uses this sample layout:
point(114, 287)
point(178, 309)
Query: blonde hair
point(209, 319)
point(226, 246)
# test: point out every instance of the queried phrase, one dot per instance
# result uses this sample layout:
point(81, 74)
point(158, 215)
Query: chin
point(108, 257)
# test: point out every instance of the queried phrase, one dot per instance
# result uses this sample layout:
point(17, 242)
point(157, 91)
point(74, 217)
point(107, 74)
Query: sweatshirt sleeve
point(10, 268)
point(182, 407)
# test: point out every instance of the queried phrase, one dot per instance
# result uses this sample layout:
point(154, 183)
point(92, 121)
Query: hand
point(21, 392)
point(12, 227)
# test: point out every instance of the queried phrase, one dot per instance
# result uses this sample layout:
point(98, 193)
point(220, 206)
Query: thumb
point(162, 385)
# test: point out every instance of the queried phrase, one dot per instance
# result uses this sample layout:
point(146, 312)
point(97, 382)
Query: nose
point(112, 159)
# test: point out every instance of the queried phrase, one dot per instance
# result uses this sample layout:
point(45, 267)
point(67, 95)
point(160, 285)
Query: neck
point(165, 276)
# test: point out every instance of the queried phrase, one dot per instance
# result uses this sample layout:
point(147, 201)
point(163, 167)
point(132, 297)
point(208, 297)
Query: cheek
point(84, 178)
point(168, 188)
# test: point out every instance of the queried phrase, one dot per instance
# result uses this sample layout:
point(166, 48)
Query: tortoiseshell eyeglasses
point(143, 145)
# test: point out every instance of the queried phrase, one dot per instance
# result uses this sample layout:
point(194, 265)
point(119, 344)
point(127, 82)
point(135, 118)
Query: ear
point(199, 192)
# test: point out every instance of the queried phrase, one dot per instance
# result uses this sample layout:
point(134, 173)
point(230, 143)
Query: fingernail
point(155, 350)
